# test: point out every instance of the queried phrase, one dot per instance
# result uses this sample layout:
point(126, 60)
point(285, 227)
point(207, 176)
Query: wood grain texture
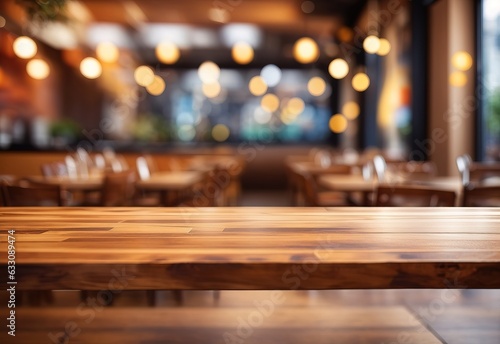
point(254, 248)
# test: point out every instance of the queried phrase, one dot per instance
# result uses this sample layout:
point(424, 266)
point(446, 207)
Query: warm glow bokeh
point(167, 52)
point(156, 87)
point(90, 68)
point(338, 124)
point(242, 53)
point(371, 44)
point(209, 72)
point(257, 86)
point(462, 61)
point(385, 47)
point(220, 132)
point(351, 110)
point(316, 86)
point(270, 102)
point(144, 76)
point(38, 69)
point(458, 79)
point(360, 82)
point(338, 68)
point(211, 90)
point(305, 50)
point(107, 52)
point(295, 106)
point(24, 47)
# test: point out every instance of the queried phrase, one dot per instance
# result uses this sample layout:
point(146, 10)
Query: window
point(490, 80)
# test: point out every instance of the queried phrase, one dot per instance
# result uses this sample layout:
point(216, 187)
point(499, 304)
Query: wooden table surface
point(178, 180)
point(353, 183)
point(253, 248)
point(72, 184)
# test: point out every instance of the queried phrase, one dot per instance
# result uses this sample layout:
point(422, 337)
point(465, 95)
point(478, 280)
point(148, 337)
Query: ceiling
point(281, 22)
point(138, 23)
point(276, 14)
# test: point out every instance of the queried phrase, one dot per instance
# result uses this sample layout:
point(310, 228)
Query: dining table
point(357, 183)
point(73, 184)
point(251, 248)
point(171, 184)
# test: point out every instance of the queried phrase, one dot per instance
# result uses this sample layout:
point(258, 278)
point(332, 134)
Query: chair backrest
point(54, 169)
point(32, 195)
point(143, 168)
point(308, 188)
point(413, 196)
point(463, 164)
point(479, 172)
point(477, 195)
point(118, 189)
point(380, 167)
point(99, 161)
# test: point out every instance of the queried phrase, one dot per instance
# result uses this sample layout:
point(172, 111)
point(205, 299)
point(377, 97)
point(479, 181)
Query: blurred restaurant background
point(262, 82)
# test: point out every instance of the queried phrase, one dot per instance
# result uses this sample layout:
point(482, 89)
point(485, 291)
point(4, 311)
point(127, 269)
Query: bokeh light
point(338, 123)
point(316, 86)
point(270, 102)
point(220, 133)
point(262, 116)
point(167, 52)
point(351, 110)
point(295, 106)
point(144, 75)
point(24, 47)
point(209, 72)
point(38, 69)
point(257, 86)
point(371, 44)
point(338, 68)
point(271, 75)
point(211, 90)
point(458, 79)
point(107, 52)
point(462, 61)
point(242, 53)
point(305, 50)
point(361, 82)
point(157, 86)
point(385, 47)
point(90, 68)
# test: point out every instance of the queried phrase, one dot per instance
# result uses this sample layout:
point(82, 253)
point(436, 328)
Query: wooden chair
point(145, 167)
point(313, 196)
point(477, 195)
point(32, 195)
point(380, 167)
point(413, 196)
point(118, 189)
point(480, 172)
point(54, 169)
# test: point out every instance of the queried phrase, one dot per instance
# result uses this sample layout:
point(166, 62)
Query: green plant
point(65, 128)
point(150, 128)
point(41, 11)
point(493, 119)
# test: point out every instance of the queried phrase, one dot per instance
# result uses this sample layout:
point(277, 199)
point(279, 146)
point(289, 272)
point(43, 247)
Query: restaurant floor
point(329, 316)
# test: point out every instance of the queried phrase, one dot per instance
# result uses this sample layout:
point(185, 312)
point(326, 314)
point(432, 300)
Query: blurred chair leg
point(178, 297)
point(151, 295)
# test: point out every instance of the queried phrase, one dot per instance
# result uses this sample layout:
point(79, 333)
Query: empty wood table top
point(254, 248)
